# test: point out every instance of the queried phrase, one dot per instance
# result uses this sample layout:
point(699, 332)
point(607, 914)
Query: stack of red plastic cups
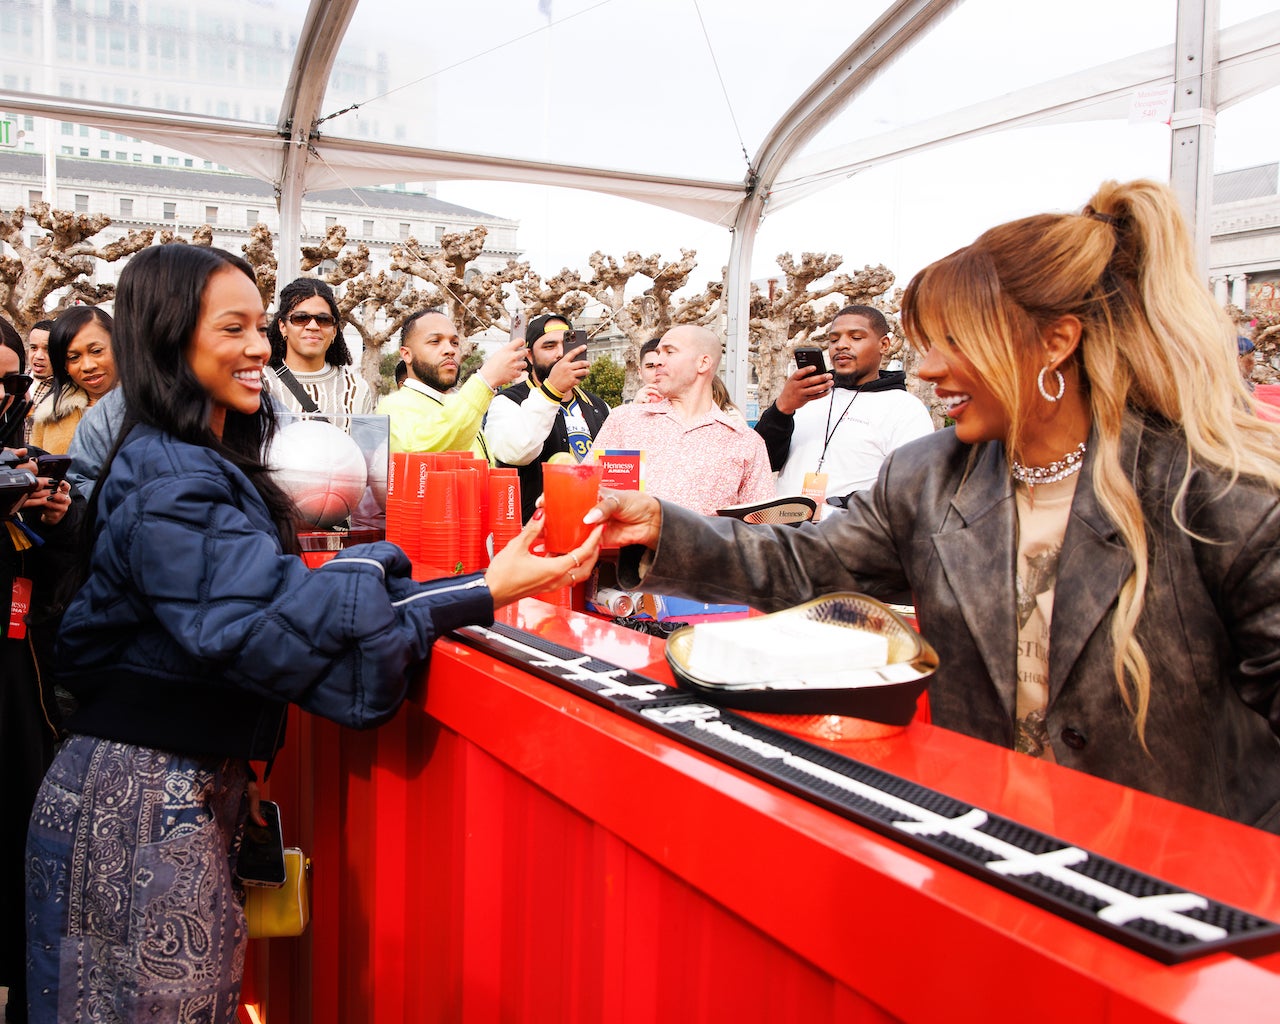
point(441, 543)
point(398, 503)
point(470, 526)
point(504, 507)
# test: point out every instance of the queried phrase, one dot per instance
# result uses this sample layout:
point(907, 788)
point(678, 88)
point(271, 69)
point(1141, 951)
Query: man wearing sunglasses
point(310, 362)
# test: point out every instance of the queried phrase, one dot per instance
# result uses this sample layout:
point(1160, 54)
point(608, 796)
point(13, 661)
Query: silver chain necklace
point(1052, 473)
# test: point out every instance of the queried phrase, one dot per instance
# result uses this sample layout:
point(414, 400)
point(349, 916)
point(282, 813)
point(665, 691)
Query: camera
point(15, 486)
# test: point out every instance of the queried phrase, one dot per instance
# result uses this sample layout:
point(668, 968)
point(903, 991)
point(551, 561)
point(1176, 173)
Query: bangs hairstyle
point(291, 295)
point(959, 301)
point(158, 305)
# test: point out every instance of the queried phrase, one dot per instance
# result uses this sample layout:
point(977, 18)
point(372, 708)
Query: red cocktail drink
point(568, 493)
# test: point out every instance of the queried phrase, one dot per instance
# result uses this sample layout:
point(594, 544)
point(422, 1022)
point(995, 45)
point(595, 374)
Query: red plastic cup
point(439, 497)
point(568, 493)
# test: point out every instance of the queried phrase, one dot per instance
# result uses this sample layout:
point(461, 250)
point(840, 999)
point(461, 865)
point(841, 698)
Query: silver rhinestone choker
point(1052, 473)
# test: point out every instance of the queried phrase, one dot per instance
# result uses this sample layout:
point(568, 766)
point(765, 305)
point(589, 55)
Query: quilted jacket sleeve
point(190, 557)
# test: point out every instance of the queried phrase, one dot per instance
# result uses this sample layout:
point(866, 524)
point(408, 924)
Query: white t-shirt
point(864, 427)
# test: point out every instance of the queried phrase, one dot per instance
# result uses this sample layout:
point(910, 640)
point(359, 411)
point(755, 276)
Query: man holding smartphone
point(828, 433)
point(548, 413)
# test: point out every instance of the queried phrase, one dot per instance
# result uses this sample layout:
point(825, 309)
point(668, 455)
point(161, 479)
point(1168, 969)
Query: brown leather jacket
point(940, 524)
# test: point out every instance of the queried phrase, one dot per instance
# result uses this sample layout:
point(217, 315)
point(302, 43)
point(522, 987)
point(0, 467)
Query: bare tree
point(786, 316)
point(63, 258)
point(474, 301)
point(377, 305)
point(260, 252)
point(638, 317)
point(564, 293)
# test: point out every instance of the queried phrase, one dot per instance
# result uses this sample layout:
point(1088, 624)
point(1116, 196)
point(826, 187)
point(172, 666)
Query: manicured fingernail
point(537, 514)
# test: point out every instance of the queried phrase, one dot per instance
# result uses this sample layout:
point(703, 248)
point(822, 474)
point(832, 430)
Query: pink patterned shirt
point(706, 465)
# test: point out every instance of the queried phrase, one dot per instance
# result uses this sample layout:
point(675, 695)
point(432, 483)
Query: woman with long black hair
point(195, 629)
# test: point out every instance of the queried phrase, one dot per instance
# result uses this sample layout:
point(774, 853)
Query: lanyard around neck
point(829, 430)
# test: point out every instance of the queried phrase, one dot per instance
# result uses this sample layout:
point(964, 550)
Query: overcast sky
point(914, 210)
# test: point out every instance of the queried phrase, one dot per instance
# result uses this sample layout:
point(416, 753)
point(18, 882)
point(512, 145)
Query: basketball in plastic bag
point(321, 469)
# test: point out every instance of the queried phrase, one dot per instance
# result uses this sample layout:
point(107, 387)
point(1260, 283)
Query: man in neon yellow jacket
point(426, 414)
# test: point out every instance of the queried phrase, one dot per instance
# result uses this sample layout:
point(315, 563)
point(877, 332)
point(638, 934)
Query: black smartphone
point(576, 340)
point(810, 355)
point(261, 860)
point(53, 466)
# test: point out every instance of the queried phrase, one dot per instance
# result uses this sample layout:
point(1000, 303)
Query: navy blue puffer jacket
point(195, 631)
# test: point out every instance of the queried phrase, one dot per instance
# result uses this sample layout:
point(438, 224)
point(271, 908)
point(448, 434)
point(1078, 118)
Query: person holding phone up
point(195, 628)
point(828, 433)
point(550, 412)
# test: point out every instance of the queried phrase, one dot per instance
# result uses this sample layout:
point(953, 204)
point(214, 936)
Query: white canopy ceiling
point(719, 109)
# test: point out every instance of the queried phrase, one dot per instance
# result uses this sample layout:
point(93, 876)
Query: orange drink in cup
point(568, 493)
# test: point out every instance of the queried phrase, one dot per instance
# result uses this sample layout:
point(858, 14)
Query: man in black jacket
point(549, 413)
point(827, 434)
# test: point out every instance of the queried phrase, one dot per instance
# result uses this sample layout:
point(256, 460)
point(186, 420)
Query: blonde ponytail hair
point(1152, 340)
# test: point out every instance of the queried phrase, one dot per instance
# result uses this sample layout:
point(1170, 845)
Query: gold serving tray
point(885, 694)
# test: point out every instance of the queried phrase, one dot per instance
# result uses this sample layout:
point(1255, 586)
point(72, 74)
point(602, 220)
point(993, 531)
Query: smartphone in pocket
point(261, 860)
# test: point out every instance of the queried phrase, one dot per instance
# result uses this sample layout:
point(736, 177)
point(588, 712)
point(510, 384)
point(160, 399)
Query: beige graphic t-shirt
point(1042, 522)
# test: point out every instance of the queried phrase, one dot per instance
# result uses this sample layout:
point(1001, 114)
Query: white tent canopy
point(722, 110)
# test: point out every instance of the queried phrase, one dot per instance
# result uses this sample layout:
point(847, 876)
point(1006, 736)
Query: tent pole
point(1194, 118)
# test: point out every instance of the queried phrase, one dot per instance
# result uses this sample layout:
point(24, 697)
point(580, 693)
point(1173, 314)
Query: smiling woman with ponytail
point(1094, 547)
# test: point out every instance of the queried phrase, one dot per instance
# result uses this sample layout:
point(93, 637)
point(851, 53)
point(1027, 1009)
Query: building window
point(439, 233)
point(250, 217)
point(84, 150)
point(137, 158)
point(170, 211)
point(188, 162)
point(105, 154)
point(82, 204)
point(156, 160)
point(173, 161)
point(404, 230)
point(66, 151)
point(121, 155)
point(68, 128)
point(84, 131)
point(211, 215)
point(207, 165)
point(126, 207)
point(368, 228)
point(330, 222)
point(34, 196)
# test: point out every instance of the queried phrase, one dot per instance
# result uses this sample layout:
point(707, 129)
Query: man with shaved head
point(695, 454)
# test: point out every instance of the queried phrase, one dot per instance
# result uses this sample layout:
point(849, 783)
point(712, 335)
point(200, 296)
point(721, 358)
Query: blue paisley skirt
point(133, 911)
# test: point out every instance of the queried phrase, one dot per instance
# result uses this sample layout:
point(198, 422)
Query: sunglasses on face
point(302, 319)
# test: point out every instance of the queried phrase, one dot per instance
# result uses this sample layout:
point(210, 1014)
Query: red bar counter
point(505, 851)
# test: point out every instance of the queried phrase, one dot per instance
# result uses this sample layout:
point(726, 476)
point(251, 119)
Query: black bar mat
point(1157, 919)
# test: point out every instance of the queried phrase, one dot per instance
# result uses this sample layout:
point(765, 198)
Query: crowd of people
point(1090, 544)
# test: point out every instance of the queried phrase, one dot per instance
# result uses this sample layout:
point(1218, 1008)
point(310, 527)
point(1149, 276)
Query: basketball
point(321, 469)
